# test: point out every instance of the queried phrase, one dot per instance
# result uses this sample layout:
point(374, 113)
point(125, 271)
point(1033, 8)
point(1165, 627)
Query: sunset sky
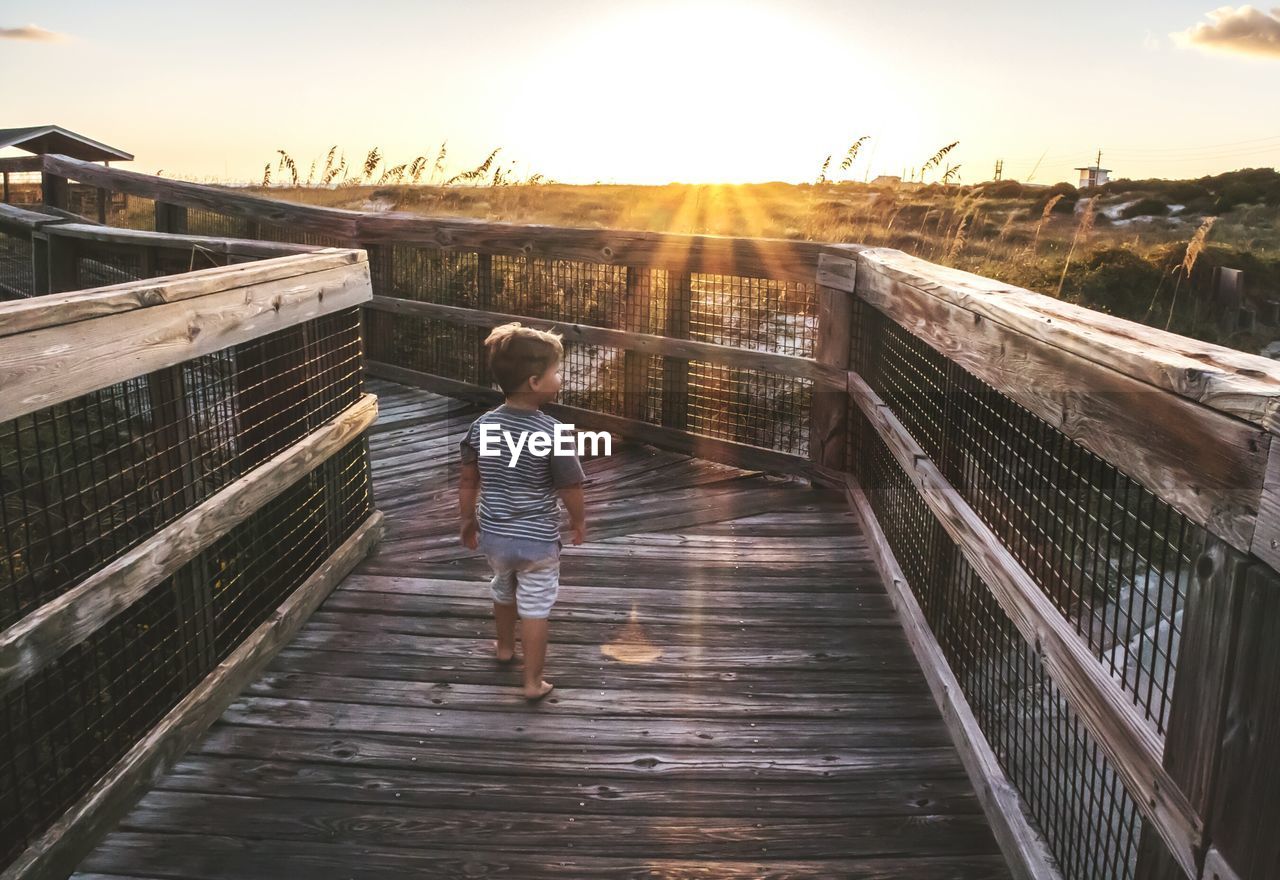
point(651, 92)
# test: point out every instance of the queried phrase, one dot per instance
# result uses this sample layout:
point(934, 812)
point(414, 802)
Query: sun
point(699, 92)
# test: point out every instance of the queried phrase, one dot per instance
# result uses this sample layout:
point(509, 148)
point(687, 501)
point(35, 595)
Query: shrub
point(1145, 208)
point(1114, 277)
point(1002, 189)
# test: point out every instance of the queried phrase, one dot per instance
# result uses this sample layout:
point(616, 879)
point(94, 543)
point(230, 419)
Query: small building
point(1093, 175)
point(41, 139)
point(20, 182)
point(887, 180)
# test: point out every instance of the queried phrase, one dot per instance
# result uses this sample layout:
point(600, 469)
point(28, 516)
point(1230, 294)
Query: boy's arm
point(567, 475)
point(573, 502)
point(468, 489)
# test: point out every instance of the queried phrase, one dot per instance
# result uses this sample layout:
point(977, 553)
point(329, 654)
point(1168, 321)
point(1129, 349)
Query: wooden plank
point(1233, 382)
point(1129, 739)
point(829, 375)
point(1023, 847)
point(53, 311)
point(920, 793)
point(1205, 464)
point(237, 247)
point(20, 220)
point(190, 854)
point(838, 271)
point(326, 221)
point(65, 844)
point(43, 367)
point(45, 634)
point(20, 164)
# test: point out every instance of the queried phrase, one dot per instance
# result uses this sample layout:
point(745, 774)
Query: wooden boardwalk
point(734, 699)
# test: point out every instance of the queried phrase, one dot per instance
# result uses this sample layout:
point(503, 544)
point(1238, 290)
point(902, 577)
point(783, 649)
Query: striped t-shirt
point(519, 501)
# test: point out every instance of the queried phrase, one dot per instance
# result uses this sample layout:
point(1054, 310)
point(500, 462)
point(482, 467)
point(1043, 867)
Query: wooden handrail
point(46, 633)
point(54, 349)
point(1130, 741)
point(1200, 441)
point(778, 259)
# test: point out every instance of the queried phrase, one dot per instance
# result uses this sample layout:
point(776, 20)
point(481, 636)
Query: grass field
point(1122, 249)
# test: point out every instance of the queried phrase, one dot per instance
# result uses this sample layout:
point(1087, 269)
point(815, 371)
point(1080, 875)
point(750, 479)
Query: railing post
point(1222, 741)
point(635, 364)
point(484, 292)
point(829, 409)
point(103, 196)
point(171, 218)
point(6, 187)
point(54, 190)
point(63, 257)
point(675, 371)
point(39, 263)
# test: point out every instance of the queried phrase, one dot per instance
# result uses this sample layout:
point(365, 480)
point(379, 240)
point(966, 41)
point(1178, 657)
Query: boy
point(518, 529)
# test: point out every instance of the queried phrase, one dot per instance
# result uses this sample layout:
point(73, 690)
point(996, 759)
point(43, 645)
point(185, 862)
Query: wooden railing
point(1075, 515)
point(184, 477)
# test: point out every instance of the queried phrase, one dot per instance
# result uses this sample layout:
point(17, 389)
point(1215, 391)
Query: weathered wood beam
point(81, 305)
point(329, 221)
point(1203, 462)
point(1233, 382)
point(40, 368)
point(45, 634)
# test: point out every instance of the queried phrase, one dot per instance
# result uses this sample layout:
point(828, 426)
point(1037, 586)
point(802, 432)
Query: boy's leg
point(503, 590)
point(533, 632)
point(504, 617)
point(536, 593)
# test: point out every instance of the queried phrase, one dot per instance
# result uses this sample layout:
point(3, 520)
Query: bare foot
point(507, 658)
point(541, 691)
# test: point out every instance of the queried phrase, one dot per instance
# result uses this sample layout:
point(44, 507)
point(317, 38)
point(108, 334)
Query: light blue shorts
point(525, 571)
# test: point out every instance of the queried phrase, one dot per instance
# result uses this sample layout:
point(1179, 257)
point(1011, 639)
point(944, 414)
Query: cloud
point(1246, 30)
point(31, 32)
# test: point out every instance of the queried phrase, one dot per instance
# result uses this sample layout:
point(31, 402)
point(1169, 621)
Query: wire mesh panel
point(132, 212)
point(203, 222)
point(83, 481)
point(25, 188)
point(61, 730)
point(748, 406)
point(1090, 823)
point(17, 279)
point(1114, 559)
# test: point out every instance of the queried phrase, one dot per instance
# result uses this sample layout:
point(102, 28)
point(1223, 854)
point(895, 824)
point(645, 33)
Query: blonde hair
point(517, 353)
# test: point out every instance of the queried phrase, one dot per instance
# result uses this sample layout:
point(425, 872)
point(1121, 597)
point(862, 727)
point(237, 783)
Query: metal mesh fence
point(1091, 824)
point(748, 406)
point(24, 188)
point(16, 269)
point(61, 730)
point(1114, 559)
point(83, 481)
